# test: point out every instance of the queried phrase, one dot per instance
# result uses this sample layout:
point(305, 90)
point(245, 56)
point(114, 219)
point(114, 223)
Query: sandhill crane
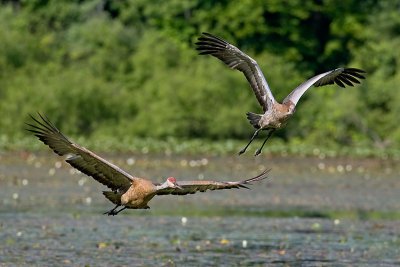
point(126, 190)
point(275, 114)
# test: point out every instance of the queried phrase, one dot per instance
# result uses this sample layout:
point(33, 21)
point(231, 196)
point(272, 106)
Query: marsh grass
point(175, 146)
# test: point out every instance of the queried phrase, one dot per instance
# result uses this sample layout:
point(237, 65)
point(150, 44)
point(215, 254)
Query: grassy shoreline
point(174, 146)
point(288, 212)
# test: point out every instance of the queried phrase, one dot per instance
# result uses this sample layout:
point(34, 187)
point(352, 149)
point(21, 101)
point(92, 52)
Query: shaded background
point(111, 69)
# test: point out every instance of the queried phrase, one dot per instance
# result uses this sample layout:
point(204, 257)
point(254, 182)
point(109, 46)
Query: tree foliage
point(130, 68)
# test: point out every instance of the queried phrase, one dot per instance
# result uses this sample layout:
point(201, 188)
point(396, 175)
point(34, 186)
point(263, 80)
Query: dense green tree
point(118, 68)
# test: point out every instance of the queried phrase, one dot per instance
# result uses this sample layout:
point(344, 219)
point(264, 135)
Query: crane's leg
point(112, 211)
point(251, 140)
point(268, 136)
point(116, 212)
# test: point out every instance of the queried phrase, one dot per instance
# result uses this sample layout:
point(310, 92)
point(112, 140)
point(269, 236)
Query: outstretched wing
point(79, 157)
point(191, 187)
point(340, 76)
point(209, 44)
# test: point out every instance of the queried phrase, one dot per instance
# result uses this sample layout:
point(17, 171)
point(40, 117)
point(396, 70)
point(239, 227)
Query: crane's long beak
point(177, 186)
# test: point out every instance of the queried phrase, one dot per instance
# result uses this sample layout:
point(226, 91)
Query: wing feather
point(79, 157)
point(339, 82)
point(191, 187)
point(209, 44)
point(340, 76)
point(350, 78)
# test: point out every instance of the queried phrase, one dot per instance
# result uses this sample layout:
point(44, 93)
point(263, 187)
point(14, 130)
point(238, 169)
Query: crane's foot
point(258, 152)
point(111, 213)
point(242, 151)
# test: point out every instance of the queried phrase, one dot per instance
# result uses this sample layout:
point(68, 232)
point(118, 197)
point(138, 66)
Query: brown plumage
point(126, 190)
point(275, 114)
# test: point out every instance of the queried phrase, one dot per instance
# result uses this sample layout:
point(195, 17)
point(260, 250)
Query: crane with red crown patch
point(127, 191)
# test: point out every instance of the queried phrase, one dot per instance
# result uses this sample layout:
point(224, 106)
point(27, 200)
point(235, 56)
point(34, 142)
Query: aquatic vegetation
point(175, 146)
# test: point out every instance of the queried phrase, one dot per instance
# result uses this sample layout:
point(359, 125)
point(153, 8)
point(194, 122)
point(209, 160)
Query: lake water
point(310, 212)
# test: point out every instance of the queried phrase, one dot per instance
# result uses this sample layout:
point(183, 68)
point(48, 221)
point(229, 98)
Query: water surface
point(310, 212)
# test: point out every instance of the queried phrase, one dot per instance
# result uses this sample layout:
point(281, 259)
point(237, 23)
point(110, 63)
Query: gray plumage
point(275, 114)
point(191, 187)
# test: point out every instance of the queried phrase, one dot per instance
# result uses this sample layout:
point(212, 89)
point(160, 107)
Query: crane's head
point(171, 182)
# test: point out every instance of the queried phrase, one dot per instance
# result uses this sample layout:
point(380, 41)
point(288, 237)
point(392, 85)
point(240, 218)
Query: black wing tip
point(355, 70)
point(42, 117)
point(207, 34)
point(266, 171)
point(42, 124)
point(37, 124)
point(343, 77)
point(259, 177)
point(212, 39)
point(243, 186)
point(339, 82)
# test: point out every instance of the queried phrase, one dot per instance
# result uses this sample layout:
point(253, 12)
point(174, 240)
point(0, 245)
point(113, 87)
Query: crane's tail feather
point(113, 197)
point(254, 119)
